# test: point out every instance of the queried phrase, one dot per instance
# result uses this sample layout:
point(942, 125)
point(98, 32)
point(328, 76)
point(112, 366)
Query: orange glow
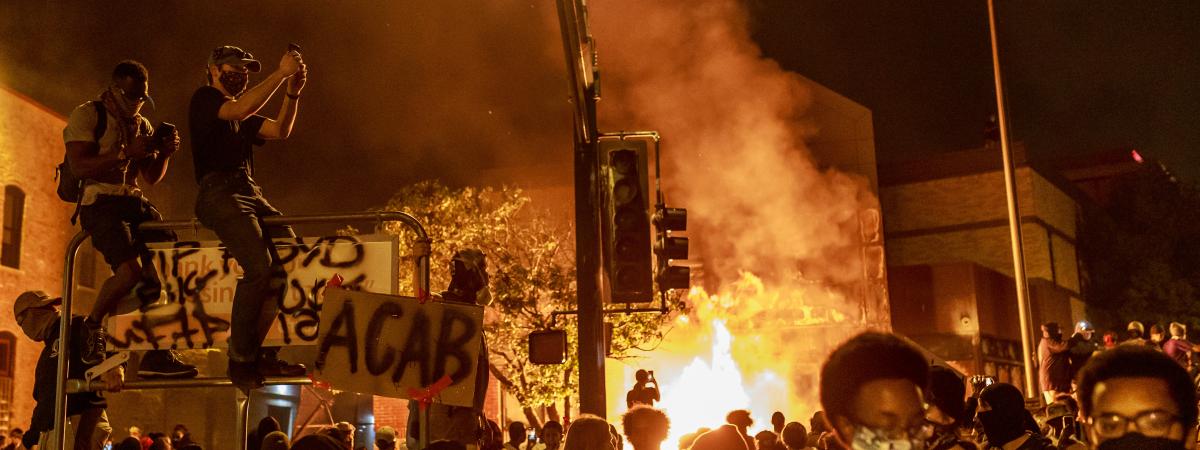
point(750, 346)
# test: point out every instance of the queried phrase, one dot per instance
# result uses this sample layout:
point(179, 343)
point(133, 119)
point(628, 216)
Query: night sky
point(1081, 76)
point(409, 90)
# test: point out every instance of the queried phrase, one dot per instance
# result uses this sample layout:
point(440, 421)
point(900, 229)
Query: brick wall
point(964, 218)
point(30, 147)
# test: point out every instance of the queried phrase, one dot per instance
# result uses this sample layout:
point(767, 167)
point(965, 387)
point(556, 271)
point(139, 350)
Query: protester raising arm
point(246, 104)
point(281, 127)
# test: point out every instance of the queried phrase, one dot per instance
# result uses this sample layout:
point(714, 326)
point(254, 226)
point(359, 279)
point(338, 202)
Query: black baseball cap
point(234, 56)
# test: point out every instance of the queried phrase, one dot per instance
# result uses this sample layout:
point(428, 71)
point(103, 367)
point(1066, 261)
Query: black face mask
point(1139, 441)
point(233, 82)
point(1001, 428)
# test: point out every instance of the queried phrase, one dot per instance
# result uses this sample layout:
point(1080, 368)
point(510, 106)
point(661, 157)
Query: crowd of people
point(880, 393)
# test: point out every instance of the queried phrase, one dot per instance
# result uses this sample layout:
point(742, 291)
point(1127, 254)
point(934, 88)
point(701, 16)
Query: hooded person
point(469, 285)
point(1006, 422)
point(947, 407)
point(38, 316)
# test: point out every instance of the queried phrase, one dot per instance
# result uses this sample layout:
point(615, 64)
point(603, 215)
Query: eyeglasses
point(1153, 423)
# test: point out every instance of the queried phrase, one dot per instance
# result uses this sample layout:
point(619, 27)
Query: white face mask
point(38, 323)
point(868, 439)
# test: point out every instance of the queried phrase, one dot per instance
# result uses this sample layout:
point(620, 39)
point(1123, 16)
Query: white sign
point(200, 279)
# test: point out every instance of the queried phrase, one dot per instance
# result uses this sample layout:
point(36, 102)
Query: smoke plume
point(734, 126)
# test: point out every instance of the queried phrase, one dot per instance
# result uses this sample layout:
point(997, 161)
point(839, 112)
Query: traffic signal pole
point(580, 56)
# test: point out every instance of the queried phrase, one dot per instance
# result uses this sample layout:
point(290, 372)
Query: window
point(14, 216)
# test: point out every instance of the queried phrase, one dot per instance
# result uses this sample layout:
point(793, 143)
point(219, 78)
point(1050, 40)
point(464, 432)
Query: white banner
point(200, 279)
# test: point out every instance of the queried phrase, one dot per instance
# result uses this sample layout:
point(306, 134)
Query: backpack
point(70, 187)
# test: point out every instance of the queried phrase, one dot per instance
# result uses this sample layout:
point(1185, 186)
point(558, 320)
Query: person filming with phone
point(645, 391)
point(225, 127)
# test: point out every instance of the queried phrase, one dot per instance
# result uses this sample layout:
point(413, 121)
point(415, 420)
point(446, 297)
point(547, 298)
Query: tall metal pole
point(577, 43)
point(1014, 214)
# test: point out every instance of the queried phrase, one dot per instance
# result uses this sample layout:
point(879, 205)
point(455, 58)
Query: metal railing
point(421, 252)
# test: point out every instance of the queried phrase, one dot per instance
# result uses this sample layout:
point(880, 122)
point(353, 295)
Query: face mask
point(1000, 428)
point(233, 82)
point(868, 439)
point(1139, 441)
point(39, 323)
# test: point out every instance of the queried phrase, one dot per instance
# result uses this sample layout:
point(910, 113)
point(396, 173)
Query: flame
point(751, 346)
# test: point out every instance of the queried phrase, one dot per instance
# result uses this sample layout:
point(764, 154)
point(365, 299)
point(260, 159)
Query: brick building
point(949, 255)
point(36, 229)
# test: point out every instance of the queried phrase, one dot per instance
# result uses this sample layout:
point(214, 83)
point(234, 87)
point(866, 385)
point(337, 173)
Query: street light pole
point(1014, 215)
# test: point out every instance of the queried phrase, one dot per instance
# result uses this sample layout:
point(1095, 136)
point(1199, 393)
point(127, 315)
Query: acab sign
point(389, 345)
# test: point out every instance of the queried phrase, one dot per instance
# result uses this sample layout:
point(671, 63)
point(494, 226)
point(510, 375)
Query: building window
point(8, 346)
point(14, 217)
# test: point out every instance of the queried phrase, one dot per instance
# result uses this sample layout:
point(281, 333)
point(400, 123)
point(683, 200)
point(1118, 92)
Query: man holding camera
point(109, 144)
point(643, 393)
point(225, 127)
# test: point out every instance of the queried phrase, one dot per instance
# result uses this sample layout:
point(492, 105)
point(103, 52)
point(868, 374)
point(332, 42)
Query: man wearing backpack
point(108, 146)
point(225, 126)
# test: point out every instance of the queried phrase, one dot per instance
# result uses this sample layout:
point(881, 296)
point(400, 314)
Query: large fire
point(749, 346)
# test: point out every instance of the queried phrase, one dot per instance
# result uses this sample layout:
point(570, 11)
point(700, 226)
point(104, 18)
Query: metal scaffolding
point(420, 260)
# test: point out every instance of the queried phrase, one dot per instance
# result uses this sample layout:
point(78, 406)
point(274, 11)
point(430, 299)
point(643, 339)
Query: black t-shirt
point(45, 382)
point(220, 145)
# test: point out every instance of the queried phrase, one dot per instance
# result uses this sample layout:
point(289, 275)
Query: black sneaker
point(245, 375)
point(165, 364)
point(271, 366)
point(93, 344)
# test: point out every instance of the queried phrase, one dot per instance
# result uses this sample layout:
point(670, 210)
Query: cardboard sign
point(397, 347)
point(200, 279)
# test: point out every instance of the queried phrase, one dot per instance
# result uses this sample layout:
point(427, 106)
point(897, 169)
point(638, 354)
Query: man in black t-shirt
point(225, 127)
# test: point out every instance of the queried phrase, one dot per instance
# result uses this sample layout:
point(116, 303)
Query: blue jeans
point(232, 205)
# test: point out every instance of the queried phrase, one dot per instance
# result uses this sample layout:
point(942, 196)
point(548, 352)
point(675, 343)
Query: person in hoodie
point(1006, 422)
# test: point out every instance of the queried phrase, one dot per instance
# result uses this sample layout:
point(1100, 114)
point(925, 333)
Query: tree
point(1140, 251)
point(531, 260)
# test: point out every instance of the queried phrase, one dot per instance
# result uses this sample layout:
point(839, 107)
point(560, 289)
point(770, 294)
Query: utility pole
point(580, 58)
point(1014, 214)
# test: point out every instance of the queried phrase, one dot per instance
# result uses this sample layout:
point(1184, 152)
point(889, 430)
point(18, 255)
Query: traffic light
point(668, 247)
point(626, 225)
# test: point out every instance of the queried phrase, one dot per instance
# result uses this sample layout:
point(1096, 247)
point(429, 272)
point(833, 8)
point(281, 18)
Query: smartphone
point(163, 132)
point(532, 435)
point(292, 47)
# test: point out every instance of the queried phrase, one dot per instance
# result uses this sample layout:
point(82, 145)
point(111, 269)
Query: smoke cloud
point(734, 126)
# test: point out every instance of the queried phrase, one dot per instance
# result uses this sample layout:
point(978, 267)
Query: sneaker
point(165, 364)
point(93, 345)
point(245, 375)
point(272, 366)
